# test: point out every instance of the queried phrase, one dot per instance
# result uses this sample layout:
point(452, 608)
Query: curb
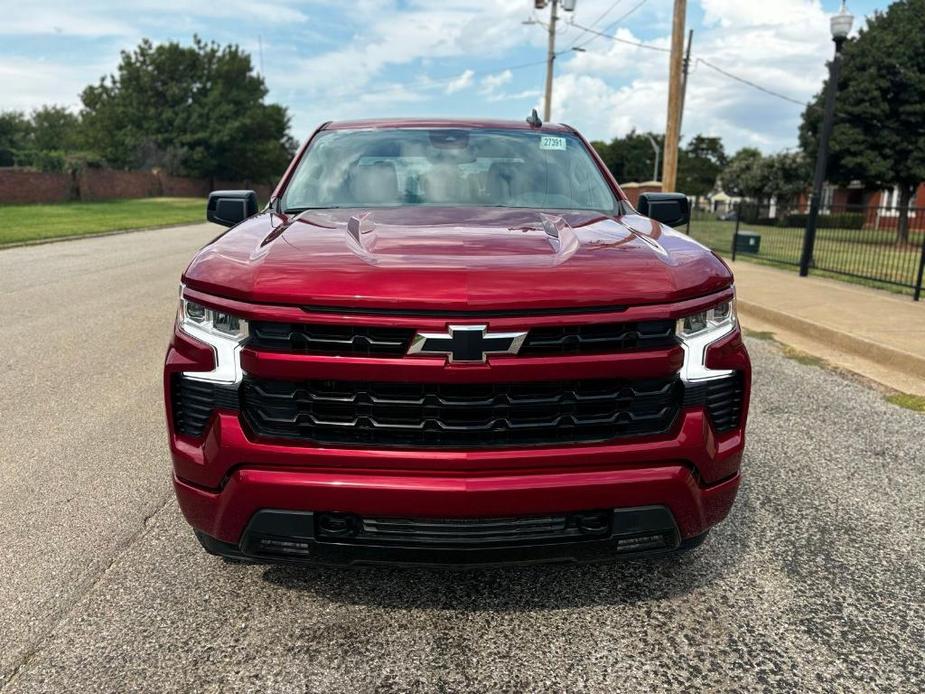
point(891, 357)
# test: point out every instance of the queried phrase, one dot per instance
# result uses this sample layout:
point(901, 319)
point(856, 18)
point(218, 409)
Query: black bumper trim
point(290, 537)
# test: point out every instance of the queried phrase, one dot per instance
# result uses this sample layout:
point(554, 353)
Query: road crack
point(88, 582)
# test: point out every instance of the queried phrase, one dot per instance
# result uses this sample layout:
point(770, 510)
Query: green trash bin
point(748, 242)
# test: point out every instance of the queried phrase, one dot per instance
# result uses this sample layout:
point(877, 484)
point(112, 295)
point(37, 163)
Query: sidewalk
point(871, 332)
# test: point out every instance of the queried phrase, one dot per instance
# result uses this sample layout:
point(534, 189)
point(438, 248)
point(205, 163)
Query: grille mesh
point(463, 532)
point(722, 398)
point(600, 338)
point(371, 341)
point(347, 340)
point(459, 415)
point(195, 401)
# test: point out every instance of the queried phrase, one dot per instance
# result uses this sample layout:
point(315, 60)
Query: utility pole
point(673, 126)
point(550, 60)
point(686, 71)
point(567, 6)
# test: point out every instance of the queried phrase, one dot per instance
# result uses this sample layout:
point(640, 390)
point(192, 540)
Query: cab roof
point(493, 124)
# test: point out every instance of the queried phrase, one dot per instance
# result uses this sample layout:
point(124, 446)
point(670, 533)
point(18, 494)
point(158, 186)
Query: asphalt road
point(816, 581)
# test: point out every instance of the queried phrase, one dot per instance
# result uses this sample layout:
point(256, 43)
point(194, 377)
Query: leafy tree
point(630, 158)
point(46, 140)
point(879, 134)
point(742, 175)
point(699, 165)
point(15, 131)
point(197, 110)
point(783, 176)
point(55, 129)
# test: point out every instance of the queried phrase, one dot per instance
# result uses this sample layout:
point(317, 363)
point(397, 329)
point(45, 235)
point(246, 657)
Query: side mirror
point(230, 207)
point(672, 209)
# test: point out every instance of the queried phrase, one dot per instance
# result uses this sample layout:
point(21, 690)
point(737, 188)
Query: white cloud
point(371, 57)
point(101, 18)
point(27, 83)
point(491, 83)
point(460, 83)
point(514, 96)
point(785, 13)
point(783, 47)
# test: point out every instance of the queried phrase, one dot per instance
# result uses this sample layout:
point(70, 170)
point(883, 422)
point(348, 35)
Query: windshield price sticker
point(548, 142)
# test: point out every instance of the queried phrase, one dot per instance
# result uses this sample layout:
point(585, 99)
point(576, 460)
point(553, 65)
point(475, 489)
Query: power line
point(614, 23)
point(751, 84)
point(621, 40)
point(600, 16)
point(710, 65)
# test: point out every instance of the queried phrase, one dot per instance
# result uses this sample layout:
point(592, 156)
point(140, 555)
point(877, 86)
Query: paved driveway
point(816, 581)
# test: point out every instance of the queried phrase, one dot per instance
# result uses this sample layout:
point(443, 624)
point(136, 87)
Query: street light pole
point(657, 151)
point(550, 60)
point(841, 27)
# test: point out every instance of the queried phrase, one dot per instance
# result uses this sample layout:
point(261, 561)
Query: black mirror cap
point(672, 209)
point(230, 207)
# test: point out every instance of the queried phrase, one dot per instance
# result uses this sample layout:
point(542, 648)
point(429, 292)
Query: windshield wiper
point(296, 210)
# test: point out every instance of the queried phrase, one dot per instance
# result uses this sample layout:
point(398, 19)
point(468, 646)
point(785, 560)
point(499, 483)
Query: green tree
point(197, 110)
point(15, 132)
point(630, 158)
point(750, 174)
point(785, 176)
point(879, 134)
point(742, 175)
point(55, 129)
point(699, 165)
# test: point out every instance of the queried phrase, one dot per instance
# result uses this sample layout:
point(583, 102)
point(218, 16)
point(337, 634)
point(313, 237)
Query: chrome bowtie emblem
point(472, 343)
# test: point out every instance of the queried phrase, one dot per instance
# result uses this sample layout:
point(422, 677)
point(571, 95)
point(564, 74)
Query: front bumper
point(268, 476)
point(226, 478)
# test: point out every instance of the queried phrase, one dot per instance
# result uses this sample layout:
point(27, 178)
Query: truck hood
point(455, 259)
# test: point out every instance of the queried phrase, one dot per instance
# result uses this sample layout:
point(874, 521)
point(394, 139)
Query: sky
point(329, 60)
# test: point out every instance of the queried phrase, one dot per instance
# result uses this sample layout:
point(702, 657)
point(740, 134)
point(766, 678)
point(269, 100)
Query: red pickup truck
point(453, 342)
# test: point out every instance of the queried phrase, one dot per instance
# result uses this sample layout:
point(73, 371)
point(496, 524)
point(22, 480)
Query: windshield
point(447, 167)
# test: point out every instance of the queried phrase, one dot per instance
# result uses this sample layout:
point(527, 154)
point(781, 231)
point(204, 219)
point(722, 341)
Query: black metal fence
point(863, 244)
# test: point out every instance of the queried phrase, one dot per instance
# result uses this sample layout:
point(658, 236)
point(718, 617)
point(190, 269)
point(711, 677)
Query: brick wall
point(25, 186)
point(104, 184)
point(263, 190)
point(180, 187)
point(17, 185)
point(634, 190)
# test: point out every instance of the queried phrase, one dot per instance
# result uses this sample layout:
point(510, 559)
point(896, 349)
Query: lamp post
point(841, 27)
point(657, 150)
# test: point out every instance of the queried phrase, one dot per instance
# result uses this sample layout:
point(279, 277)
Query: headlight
point(697, 332)
point(223, 332)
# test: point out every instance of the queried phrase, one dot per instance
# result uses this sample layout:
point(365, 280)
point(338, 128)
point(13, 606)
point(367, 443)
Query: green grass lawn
point(19, 223)
point(871, 255)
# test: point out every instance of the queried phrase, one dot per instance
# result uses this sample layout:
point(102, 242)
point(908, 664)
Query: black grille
point(468, 532)
point(371, 341)
point(722, 398)
point(348, 340)
point(195, 401)
point(600, 338)
point(459, 415)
